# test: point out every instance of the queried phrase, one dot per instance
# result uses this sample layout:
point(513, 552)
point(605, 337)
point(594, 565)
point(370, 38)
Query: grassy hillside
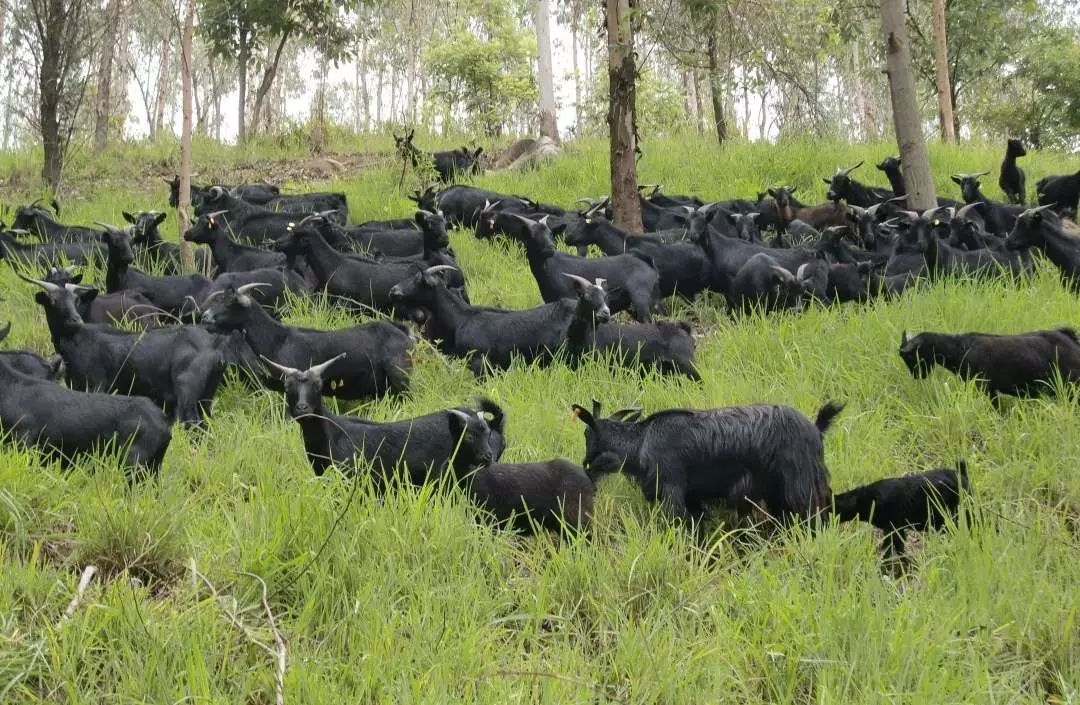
point(409, 599)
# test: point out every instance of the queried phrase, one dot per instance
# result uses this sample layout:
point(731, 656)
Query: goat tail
point(498, 416)
point(827, 414)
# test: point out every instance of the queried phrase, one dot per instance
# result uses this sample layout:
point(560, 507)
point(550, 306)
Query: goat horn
point(47, 286)
point(781, 271)
point(582, 281)
point(320, 369)
point(216, 213)
point(19, 231)
point(440, 268)
point(112, 228)
point(965, 212)
point(78, 288)
point(910, 215)
point(251, 287)
point(216, 192)
point(280, 368)
point(800, 273)
point(1037, 209)
point(847, 172)
point(587, 201)
point(425, 212)
point(858, 212)
point(210, 297)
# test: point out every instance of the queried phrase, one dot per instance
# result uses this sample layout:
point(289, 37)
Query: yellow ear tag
point(588, 220)
point(213, 224)
point(574, 414)
point(937, 222)
point(290, 227)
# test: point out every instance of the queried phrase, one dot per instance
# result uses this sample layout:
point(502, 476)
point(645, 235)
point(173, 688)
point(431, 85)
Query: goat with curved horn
point(47, 286)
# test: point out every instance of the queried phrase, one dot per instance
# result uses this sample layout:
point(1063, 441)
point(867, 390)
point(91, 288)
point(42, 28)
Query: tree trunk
point(622, 119)
point(716, 90)
point(163, 83)
point(103, 104)
point(941, 69)
point(242, 59)
point(268, 78)
point(542, 19)
point(578, 115)
point(688, 97)
point(906, 119)
point(49, 95)
point(186, 255)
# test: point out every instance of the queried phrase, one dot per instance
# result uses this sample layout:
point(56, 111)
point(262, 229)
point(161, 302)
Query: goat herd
point(150, 349)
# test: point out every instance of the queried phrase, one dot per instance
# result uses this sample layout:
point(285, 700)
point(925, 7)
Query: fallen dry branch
point(84, 582)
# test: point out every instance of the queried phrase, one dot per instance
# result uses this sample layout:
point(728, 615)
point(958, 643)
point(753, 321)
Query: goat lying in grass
point(897, 505)
point(1018, 365)
point(553, 494)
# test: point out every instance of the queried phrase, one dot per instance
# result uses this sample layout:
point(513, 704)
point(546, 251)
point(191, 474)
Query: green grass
point(413, 599)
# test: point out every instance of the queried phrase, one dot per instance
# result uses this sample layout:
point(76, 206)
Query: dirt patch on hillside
point(283, 171)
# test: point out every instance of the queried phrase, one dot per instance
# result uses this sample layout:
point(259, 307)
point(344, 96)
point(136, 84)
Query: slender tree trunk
point(186, 254)
point(268, 78)
point(542, 20)
point(163, 84)
point(622, 119)
point(699, 102)
point(941, 70)
point(103, 104)
point(49, 87)
point(688, 97)
point(578, 114)
point(242, 59)
point(716, 90)
point(378, 96)
point(906, 119)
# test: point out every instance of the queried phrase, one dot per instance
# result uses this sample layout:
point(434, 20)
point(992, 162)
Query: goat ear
point(77, 279)
point(792, 189)
point(771, 192)
point(828, 181)
point(582, 415)
point(128, 217)
point(160, 218)
point(42, 298)
point(596, 408)
point(904, 339)
point(957, 180)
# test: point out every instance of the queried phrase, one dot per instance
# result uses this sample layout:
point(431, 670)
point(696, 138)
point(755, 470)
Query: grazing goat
point(664, 346)
point(179, 368)
point(896, 505)
point(48, 254)
point(30, 363)
point(152, 251)
point(126, 307)
point(633, 282)
point(1041, 228)
point(555, 494)
point(229, 256)
point(1012, 181)
point(67, 424)
point(448, 165)
point(844, 188)
point(40, 222)
point(1060, 192)
point(424, 445)
point(762, 283)
point(491, 336)
point(378, 360)
point(746, 455)
point(1023, 365)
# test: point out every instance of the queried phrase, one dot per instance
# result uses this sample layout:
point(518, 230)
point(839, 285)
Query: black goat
point(404, 242)
point(39, 221)
point(763, 284)
point(1061, 192)
point(555, 494)
point(491, 336)
point(258, 194)
point(48, 254)
point(67, 424)
point(896, 505)
point(230, 256)
point(247, 223)
point(332, 205)
point(424, 446)
point(844, 188)
point(633, 282)
point(891, 167)
point(123, 307)
point(746, 455)
point(1041, 228)
point(999, 217)
point(154, 252)
point(30, 363)
point(684, 267)
point(178, 368)
point(664, 346)
point(1021, 365)
point(448, 165)
point(171, 294)
point(1011, 179)
point(378, 359)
